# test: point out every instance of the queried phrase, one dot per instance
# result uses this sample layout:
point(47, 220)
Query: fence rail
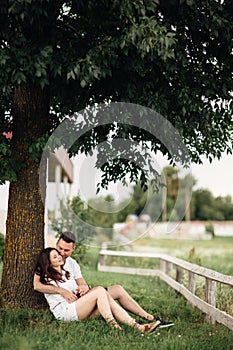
point(167, 266)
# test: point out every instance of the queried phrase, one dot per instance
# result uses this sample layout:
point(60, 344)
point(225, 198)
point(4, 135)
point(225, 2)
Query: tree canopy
point(58, 57)
point(172, 56)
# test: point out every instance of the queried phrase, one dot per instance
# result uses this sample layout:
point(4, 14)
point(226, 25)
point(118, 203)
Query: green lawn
point(34, 330)
point(26, 329)
point(215, 254)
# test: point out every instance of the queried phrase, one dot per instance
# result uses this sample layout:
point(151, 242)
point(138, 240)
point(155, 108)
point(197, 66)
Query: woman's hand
point(70, 297)
point(82, 290)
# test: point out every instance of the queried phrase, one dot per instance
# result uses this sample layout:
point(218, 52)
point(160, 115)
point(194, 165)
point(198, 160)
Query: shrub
point(210, 228)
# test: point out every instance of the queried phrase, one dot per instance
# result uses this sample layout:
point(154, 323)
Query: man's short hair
point(68, 237)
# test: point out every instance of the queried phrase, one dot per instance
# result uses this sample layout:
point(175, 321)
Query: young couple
point(59, 277)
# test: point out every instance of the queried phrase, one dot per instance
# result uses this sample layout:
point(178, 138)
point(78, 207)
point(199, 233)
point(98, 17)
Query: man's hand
point(70, 297)
point(82, 289)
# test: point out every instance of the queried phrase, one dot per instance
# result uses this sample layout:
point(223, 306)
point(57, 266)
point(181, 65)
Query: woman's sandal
point(113, 323)
point(150, 327)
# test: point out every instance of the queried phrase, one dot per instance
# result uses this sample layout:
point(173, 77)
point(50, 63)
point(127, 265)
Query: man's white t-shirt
point(73, 268)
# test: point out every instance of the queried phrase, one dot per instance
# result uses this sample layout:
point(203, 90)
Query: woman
point(96, 302)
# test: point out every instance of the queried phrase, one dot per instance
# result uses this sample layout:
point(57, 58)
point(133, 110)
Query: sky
point(216, 177)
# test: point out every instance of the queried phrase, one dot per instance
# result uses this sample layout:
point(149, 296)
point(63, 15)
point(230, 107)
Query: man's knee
point(98, 290)
point(116, 291)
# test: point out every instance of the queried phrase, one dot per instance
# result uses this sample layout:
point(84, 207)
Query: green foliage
point(58, 57)
point(91, 222)
point(8, 168)
point(209, 208)
point(36, 148)
point(137, 202)
point(203, 205)
point(73, 217)
point(210, 228)
point(102, 211)
point(173, 57)
point(2, 245)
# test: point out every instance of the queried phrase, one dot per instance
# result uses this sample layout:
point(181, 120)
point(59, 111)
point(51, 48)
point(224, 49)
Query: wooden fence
point(171, 270)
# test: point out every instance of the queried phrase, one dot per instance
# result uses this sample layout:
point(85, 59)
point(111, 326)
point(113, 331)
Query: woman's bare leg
point(108, 308)
point(118, 293)
point(121, 315)
point(99, 298)
point(95, 298)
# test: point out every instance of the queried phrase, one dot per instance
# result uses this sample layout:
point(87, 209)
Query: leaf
point(71, 74)
point(83, 83)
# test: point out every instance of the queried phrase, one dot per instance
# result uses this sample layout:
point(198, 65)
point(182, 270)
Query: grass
point(25, 329)
point(33, 330)
point(215, 254)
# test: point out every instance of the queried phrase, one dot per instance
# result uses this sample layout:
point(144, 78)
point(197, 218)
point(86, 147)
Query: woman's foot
point(163, 323)
point(113, 323)
point(147, 328)
point(151, 327)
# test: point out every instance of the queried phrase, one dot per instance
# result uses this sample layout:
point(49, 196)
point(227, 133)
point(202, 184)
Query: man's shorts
point(65, 312)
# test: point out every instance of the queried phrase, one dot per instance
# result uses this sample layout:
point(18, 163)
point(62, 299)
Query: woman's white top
point(56, 299)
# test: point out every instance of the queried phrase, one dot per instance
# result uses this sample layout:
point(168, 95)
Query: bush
point(210, 228)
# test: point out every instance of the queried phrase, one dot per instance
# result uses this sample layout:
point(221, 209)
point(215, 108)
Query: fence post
point(169, 268)
point(210, 297)
point(191, 284)
point(103, 257)
point(179, 274)
point(162, 265)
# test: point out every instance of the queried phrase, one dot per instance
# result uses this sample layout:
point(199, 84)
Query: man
point(66, 245)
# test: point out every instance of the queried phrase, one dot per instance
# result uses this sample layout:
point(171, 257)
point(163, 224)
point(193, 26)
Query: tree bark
point(25, 219)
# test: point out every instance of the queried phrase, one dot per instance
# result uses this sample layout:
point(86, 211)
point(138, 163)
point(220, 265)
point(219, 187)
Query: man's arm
point(50, 289)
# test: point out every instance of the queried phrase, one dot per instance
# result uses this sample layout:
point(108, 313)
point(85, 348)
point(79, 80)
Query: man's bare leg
point(118, 293)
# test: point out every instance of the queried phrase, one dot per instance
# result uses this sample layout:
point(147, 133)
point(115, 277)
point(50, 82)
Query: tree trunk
point(25, 220)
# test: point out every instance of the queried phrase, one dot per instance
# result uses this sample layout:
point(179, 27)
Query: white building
point(59, 180)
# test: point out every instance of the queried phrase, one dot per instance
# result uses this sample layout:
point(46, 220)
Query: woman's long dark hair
point(44, 269)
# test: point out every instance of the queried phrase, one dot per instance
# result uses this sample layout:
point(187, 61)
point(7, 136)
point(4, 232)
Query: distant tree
point(224, 205)
point(185, 207)
point(138, 200)
point(102, 216)
point(205, 206)
point(155, 204)
point(73, 217)
point(169, 191)
point(228, 211)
